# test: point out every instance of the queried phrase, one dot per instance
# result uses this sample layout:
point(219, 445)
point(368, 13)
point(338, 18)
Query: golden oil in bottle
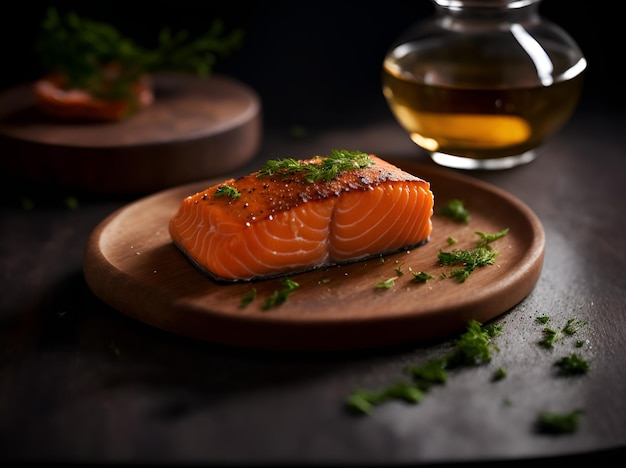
point(483, 86)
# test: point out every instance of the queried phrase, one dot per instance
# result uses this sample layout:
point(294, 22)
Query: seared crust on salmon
point(261, 226)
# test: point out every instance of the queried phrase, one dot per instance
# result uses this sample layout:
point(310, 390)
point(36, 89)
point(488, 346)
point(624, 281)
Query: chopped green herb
point(279, 296)
point(572, 365)
point(399, 271)
point(456, 210)
point(488, 238)
point(543, 319)
point(387, 284)
point(550, 337)
point(558, 423)
point(432, 372)
point(421, 277)
point(227, 191)
point(573, 325)
point(319, 168)
point(451, 240)
point(248, 298)
point(473, 347)
point(579, 343)
point(363, 401)
point(470, 259)
point(479, 256)
point(499, 374)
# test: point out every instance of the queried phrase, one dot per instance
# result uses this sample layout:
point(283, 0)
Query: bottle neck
point(461, 14)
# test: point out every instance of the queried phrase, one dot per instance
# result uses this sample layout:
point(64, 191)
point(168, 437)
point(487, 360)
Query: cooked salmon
point(275, 222)
point(54, 99)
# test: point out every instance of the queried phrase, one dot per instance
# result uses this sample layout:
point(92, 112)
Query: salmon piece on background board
point(293, 216)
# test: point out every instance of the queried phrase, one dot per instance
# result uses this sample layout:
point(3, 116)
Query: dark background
point(308, 58)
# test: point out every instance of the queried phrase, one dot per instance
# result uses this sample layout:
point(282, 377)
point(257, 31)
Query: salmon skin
point(276, 222)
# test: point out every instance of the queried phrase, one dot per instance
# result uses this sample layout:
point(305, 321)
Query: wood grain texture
point(131, 264)
point(196, 128)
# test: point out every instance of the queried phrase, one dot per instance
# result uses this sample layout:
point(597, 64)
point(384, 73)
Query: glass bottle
point(483, 83)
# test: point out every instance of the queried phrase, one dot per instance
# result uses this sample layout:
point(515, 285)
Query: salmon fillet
point(273, 223)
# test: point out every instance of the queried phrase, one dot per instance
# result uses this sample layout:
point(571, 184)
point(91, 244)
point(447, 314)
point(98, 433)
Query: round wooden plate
point(132, 265)
point(196, 128)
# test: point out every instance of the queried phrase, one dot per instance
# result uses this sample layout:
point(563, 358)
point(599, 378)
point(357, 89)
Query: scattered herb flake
point(363, 401)
point(558, 423)
point(456, 210)
point(227, 191)
point(421, 277)
point(432, 372)
point(544, 319)
point(387, 284)
point(470, 259)
point(572, 365)
point(279, 296)
point(499, 374)
point(248, 298)
point(488, 238)
point(573, 325)
point(550, 337)
point(473, 347)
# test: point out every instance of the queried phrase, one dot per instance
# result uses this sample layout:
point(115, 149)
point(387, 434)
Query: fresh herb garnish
point(421, 277)
point(81, 49)
point(573, 325)
point(227, 191)
point(558, 423)
point(318, 168)
point(473, 347)
point(279, 296)
point(572, 365)
point(499, 374)
point(248, 298)
point(386, 284)
point(479, 256)
point(550, 336)
point(455, 209)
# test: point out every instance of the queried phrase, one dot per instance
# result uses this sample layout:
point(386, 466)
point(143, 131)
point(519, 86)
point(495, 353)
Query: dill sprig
point(227, 191)
point(318, 168)
point(479, 256)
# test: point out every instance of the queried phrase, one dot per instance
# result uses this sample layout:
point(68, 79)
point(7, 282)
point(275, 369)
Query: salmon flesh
point(279, 224)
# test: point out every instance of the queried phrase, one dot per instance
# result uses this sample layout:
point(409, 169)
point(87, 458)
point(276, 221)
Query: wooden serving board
point(132, 265)
point(196, 128)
